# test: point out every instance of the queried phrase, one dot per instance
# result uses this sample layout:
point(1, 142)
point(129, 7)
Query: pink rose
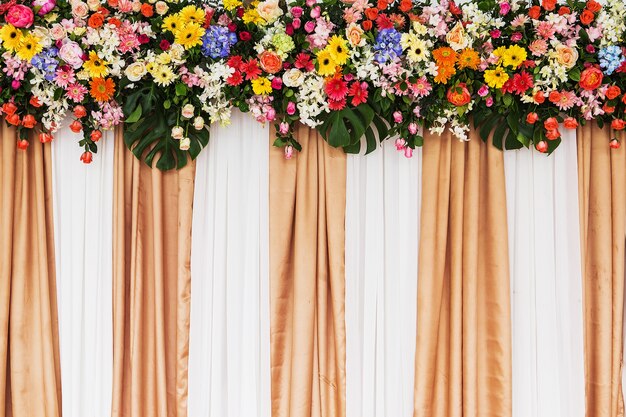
point(316, 12)
point(516, 36)
point(296, 23)
point(20, 16)
point(71, 53)
point(400, 144)
point(45, 6)
point(271, 114)
point(505, 8)
point(310, 2)
point(489, 101)
point(397, 117)
point(284, 128)
point(288, 152)
point(309, 26)
point(291, 108)
point(413, 128)
point(483, 91)
point(79, 10)
point(296, 12)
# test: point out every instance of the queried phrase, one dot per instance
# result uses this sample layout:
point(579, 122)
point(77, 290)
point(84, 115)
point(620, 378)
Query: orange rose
point(367, 25)
point(570, 123)
point(371, 13)
point(29, 121)
point(564, 10)
point(13, 119)
point(113, 3)
point(270, 62)
point(147, 10)
point(34, 101)
point(539, 98)
point(95, 21)
point(382, 4)
point(566, 56)
point(80, 112)
point(553, 134)
point(551, 124)
point(115, 22)
point(624, 99)
point(459, 95)
point(532, 118)
point(354, 34)
point(549, 5)
point(586, 17)
point(593, 6)
point(618, 124)
point(76, 126)
point(9, 108)
point(613, 92)
point(534, 12)
point(608, 109)
point(406, 5)
point(591, 78)
point(45, 137)
point(554, 97)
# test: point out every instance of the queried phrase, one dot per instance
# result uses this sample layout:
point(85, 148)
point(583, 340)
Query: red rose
point(80, 112)
point(22, 144)
point(531, 118)
point(612, 92)
point(570, 123)
point(34, 101)
point(76, 126)
point(591, 78)
point(245, 36)
point(86, 157)
point(367, 25)
point(608, 109)
point(459, 95)
point(45, 137)
point(618, 124)
point(551, 124)
point(9, 108)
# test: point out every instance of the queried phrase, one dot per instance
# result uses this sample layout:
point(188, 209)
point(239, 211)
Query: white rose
point(198, 123)
point(79, 10)
point(94, 5)
point(184, 144)
point(163, 58)
point(293, 77)
point(44, 35)
point(188, 111)
point(57, 32)
point(136, 6)
point(135, 71)
point(269, 10)
point(176, 52)
point(162, 8)
point(177, 132)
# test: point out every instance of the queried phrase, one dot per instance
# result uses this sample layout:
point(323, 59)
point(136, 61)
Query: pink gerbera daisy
point(76, 92)
point(336, 88)
point(64, 76)
point(567, 100)
point(422, 87)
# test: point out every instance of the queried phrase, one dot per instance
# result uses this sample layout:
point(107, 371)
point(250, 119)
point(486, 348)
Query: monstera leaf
point(506, 131)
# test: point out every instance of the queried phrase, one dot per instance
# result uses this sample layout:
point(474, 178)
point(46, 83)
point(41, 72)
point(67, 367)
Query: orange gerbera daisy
point(445, 56)
point(444, 73)
point(468, 58)
point(102, 89)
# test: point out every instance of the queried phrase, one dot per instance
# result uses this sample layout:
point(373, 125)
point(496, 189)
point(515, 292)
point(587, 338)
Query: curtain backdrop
point(546, 282)
point(463, 352)
point(383, 194)
point(307, 227)
point(151, 286)
point(602, 182)
point(229, 359)
point(83, 224)
point(30, 380)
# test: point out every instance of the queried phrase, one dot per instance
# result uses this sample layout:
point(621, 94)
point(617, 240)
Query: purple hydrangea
point(217, 41)
point(387, 45)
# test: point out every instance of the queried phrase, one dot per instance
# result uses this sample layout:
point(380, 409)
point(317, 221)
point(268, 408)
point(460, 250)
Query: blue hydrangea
point(46, 62)
point(387, 45)
point(217, 41)
point(611, 58)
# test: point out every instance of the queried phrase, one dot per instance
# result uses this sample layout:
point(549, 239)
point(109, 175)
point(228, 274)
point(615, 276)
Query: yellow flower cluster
point(231, 4)
point(186, 26)
point(25, 46)
point(512, 56)
point(335, 54)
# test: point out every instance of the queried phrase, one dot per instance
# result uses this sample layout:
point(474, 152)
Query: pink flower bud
point(505, 8)
point(291, 108)
point(310, 3)
point(489, 101)
point(288, 151)
point(516, 36)
point(400, 144)
point(309, 26)
point(15, 84)
point(590, 49)
point(289, 29)
point(413, 128)
point(296, 23)
point(495, 33)
point(284, 128)
point(277, 83)
point(408, 152)
point(397, 117)
point(483, 91)
point(271, 114)
point(316, 12)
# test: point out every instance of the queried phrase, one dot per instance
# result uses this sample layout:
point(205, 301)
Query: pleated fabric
point(602, 192)
point(463, 350)
point(151, 286)
point(307, 238)
point(30, 380)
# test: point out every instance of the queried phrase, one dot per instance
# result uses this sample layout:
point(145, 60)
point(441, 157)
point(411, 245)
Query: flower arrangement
point(351, 69)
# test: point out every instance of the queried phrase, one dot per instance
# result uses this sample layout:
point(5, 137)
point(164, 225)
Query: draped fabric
point(602, 185)
point(30, 380)
point(463, 351)
point(307, 228)
point(546, 282)
point(229, 359)
point(383, 195)
point(83, 224)
point(152, 213)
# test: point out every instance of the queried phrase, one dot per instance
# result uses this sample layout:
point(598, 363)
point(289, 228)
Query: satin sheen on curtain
point(151, 286)
point(602, 182)
point(307, 238)
point(383, 195)
point(229, 359)
point(83, 225)
point(463, 351)
point(546, 282)
point(30, 380)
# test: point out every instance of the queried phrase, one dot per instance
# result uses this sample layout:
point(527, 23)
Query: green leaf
point(574, 74)
point(135, 115)
point(488, 126)
point(372, 143)
point(181, 89)
point(498, 135)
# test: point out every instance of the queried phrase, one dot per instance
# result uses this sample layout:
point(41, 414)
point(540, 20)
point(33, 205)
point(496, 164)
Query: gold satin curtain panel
point(463, 352)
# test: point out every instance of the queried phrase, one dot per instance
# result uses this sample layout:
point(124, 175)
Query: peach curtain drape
point(30, 380)
point(307, 228)
point(602, 193)
point(151, 287)
point(463, 354)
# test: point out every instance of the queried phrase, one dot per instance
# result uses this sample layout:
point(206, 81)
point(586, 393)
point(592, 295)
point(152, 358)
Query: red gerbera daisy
point(522, 82)
point(336, 88)
point(358, 92)
point(234, 79)
point(508, 86)
point(383, 22)
point(303, 61)
point(251, 69)
point(336, 105)
point(235, 62)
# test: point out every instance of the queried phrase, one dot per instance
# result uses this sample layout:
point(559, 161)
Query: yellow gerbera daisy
point(326, 63)
point(29, 47)
point(191, 14)
point(172, 23)
point(514, 56)
point(261, 86)
point(252, 16)
point(496, 78)
point(190, 35)
point(163, 75)
point(338, 48)
point(468, 58)
point(232, 4)
point(11, 37)
point(95, 66)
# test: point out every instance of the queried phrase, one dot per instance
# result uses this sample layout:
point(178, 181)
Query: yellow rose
point(566, 56)
point(457, 38)
point(269, 10)
point(354, 34)
point(135, 71)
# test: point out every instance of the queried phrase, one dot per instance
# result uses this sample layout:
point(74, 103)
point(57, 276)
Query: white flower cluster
point(312, 100)
point(213, 98)
point(480, 22)
point(612, 20)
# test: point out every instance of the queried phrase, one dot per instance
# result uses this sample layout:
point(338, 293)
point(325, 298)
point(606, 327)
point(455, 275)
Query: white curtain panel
point(382, 236)
point(546, 281)
point(83, 234)
point(229, 361)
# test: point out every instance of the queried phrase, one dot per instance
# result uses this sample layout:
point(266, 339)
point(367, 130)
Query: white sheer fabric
point(229, 361)
point(83, 234)
point(382, 236)
point(546, 282)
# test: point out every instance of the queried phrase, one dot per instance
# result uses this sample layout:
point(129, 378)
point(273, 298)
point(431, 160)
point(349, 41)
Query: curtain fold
point(382, 235)
point(602, 192)
point(30, 380)
point(463, 351)
point(151, 286)
point(229, 359)
point(307, 234)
